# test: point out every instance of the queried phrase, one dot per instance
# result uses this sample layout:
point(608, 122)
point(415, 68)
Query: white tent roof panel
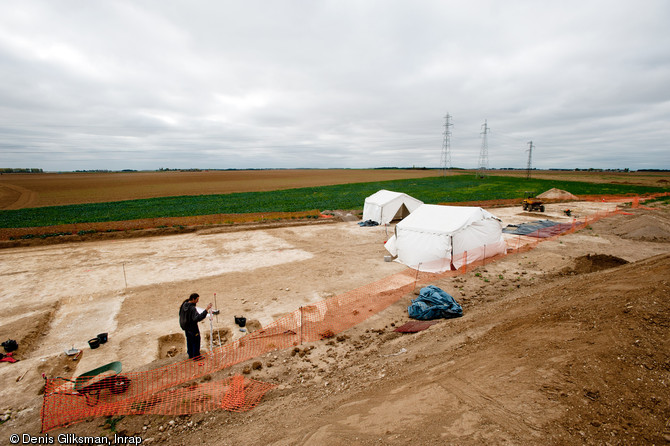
point(443, 219)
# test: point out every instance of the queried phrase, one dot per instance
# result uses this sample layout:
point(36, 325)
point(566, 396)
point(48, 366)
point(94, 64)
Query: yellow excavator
point(531, 203)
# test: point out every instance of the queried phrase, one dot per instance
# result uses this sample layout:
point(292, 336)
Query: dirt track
point(549, 350)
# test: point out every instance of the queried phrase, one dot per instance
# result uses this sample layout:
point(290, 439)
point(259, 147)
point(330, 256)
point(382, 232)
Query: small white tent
point(436, 238)
point(385, 205)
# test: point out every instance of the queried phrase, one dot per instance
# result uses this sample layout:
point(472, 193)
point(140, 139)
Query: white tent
point(385, 205)
point(437, 238)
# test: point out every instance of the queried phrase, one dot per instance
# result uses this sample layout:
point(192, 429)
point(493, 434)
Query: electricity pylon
point(445, 159)
point(530, 158)
point(484, 152)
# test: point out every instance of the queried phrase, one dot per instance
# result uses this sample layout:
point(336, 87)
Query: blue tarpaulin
point(539, 228)
point(434, 303)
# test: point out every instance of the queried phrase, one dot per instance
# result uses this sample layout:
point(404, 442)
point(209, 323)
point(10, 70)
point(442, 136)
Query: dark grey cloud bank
point(258, 84)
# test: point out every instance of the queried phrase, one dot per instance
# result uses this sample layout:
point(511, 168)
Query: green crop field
point(450, 189)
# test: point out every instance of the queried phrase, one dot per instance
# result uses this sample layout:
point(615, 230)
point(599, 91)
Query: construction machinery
point(531, 203)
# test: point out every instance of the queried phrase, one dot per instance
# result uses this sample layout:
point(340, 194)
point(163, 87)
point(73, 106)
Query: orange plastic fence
point(634, 200)
point(172, 390)
point(64, 406)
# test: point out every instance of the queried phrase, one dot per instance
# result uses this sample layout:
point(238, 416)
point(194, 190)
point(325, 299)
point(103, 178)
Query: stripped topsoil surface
point(564, 344)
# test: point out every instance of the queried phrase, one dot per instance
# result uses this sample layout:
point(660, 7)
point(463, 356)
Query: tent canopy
point(385, 206)
point(437, 238)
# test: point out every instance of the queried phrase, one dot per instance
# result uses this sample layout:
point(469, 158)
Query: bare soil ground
point(565, 344)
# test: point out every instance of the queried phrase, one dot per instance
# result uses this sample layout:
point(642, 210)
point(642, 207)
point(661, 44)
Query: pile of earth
point(650, 227)
point(557, 194)
point(593, 262)
point(343, 215)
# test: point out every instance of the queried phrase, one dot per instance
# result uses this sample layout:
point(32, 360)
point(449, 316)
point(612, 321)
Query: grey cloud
point(332, 84)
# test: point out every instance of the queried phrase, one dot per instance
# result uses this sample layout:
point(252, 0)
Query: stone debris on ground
point(567, 358)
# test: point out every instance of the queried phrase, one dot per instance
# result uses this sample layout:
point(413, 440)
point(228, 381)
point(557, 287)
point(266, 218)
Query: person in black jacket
point(188, 320)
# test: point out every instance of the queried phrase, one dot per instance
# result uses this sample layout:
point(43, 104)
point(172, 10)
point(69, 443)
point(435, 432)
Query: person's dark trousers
point(192, 344)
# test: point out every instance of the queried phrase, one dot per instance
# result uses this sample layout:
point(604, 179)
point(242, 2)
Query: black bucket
point(10, 345)
point(241, 321)
point(102, 337)
point(94, 343)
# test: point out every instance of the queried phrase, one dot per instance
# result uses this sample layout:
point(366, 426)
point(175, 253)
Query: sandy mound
point(648, 227)
point(557, 194)
point(594, 262)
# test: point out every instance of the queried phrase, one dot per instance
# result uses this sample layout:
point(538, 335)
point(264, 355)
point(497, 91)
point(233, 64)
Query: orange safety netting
point(63, 406)
point(172, 390)
point(522, 243)
point(634, 200)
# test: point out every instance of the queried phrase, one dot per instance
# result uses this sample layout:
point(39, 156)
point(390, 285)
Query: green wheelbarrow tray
point(86, 381)
point(93, 382)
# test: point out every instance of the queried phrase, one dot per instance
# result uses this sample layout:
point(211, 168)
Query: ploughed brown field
point(19, 191)
point(656, 179)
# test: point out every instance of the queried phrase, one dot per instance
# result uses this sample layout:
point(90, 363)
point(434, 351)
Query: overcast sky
point(348, 83)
